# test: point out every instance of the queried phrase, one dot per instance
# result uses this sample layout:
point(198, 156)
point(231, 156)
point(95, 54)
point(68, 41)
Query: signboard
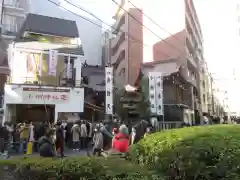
point(109, 90)
point(159, 93)
point(52, 66)
point(152, 93)
point(45, 95)
point(156, 93)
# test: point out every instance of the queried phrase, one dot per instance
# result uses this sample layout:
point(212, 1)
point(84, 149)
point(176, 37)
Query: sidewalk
point(68, 153)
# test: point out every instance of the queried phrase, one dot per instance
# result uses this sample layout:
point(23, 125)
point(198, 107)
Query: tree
point(143, 106)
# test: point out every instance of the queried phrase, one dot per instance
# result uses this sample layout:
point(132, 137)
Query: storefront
point(40, 100)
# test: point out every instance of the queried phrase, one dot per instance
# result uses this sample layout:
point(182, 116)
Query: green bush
point(73, 169)
point(193, 153)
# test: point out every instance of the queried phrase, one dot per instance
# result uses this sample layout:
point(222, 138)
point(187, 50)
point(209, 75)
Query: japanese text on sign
point(48, 96)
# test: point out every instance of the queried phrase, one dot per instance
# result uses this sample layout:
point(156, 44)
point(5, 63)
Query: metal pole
point(163, 117)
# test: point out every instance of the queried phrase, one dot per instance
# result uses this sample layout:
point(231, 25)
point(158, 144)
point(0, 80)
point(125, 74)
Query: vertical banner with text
point(109, 90)
point(152, 93)
point(156, 93)
point(159, 93)
point(52, 66)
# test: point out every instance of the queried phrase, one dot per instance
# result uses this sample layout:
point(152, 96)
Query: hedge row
point(73, 169)
point(199, 153)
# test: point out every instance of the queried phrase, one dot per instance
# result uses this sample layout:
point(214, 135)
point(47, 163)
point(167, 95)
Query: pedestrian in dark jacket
point(60, 139)
point(46, 146)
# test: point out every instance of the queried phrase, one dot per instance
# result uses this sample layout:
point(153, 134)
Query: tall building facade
point(148, 31)
point(177, 36)
point(13, 13)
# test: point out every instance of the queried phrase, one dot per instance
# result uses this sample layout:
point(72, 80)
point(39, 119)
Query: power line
point(146, 26)
point(154, 22)
point(127, 33)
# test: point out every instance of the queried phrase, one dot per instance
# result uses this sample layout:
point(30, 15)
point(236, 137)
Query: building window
point(11, 24)
point(15, 3)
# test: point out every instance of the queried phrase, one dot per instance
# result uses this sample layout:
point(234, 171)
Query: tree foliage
point(142, 107)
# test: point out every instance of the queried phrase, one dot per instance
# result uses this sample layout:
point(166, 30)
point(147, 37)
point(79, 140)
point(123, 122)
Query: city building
point(46, 65)
point(176, 90)
point(106, 47)
point(205, 89)
point(4, 67)
point(14, 12)
point(165, 35)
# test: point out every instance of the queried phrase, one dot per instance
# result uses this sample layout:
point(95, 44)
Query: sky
point(216, 19)
point(218, 22)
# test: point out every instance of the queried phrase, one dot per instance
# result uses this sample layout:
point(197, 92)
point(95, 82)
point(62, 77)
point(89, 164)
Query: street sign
point(109, 90)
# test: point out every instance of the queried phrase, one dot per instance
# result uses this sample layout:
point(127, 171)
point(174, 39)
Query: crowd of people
point(51, 139)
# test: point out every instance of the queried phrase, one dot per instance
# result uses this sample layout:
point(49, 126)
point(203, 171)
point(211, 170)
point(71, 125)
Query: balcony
point(191, 78)
point(68, 80)
point(190, 42)
point(118, 56)
point(190, 57)
point(117, 45)
point(199, 54)
point(15, 6)
point(118, 24)
point(9, 30)
point(193, 19)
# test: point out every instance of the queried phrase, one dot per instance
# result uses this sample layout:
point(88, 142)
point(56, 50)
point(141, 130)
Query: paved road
point(68, 153)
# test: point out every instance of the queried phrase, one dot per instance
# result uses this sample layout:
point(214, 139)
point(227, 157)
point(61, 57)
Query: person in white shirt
point(205, 120)
point(83, 134)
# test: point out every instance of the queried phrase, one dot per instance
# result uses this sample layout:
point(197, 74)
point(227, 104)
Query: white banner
point(159, 93)
point(109, 90)
point(52, 66)
point(45, 95)
point(152, 93)
point(69, 66)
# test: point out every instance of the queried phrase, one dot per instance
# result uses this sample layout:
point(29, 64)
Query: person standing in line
point(46, 145)
point(1, 139)
point(133, 136)
point(121, 140)
point(83, 134)
point(114, 132)
point(205, 119)
point(59, 139)
point(97, 141)
point(24, 134)
point(148, 131)
point(75, 136)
